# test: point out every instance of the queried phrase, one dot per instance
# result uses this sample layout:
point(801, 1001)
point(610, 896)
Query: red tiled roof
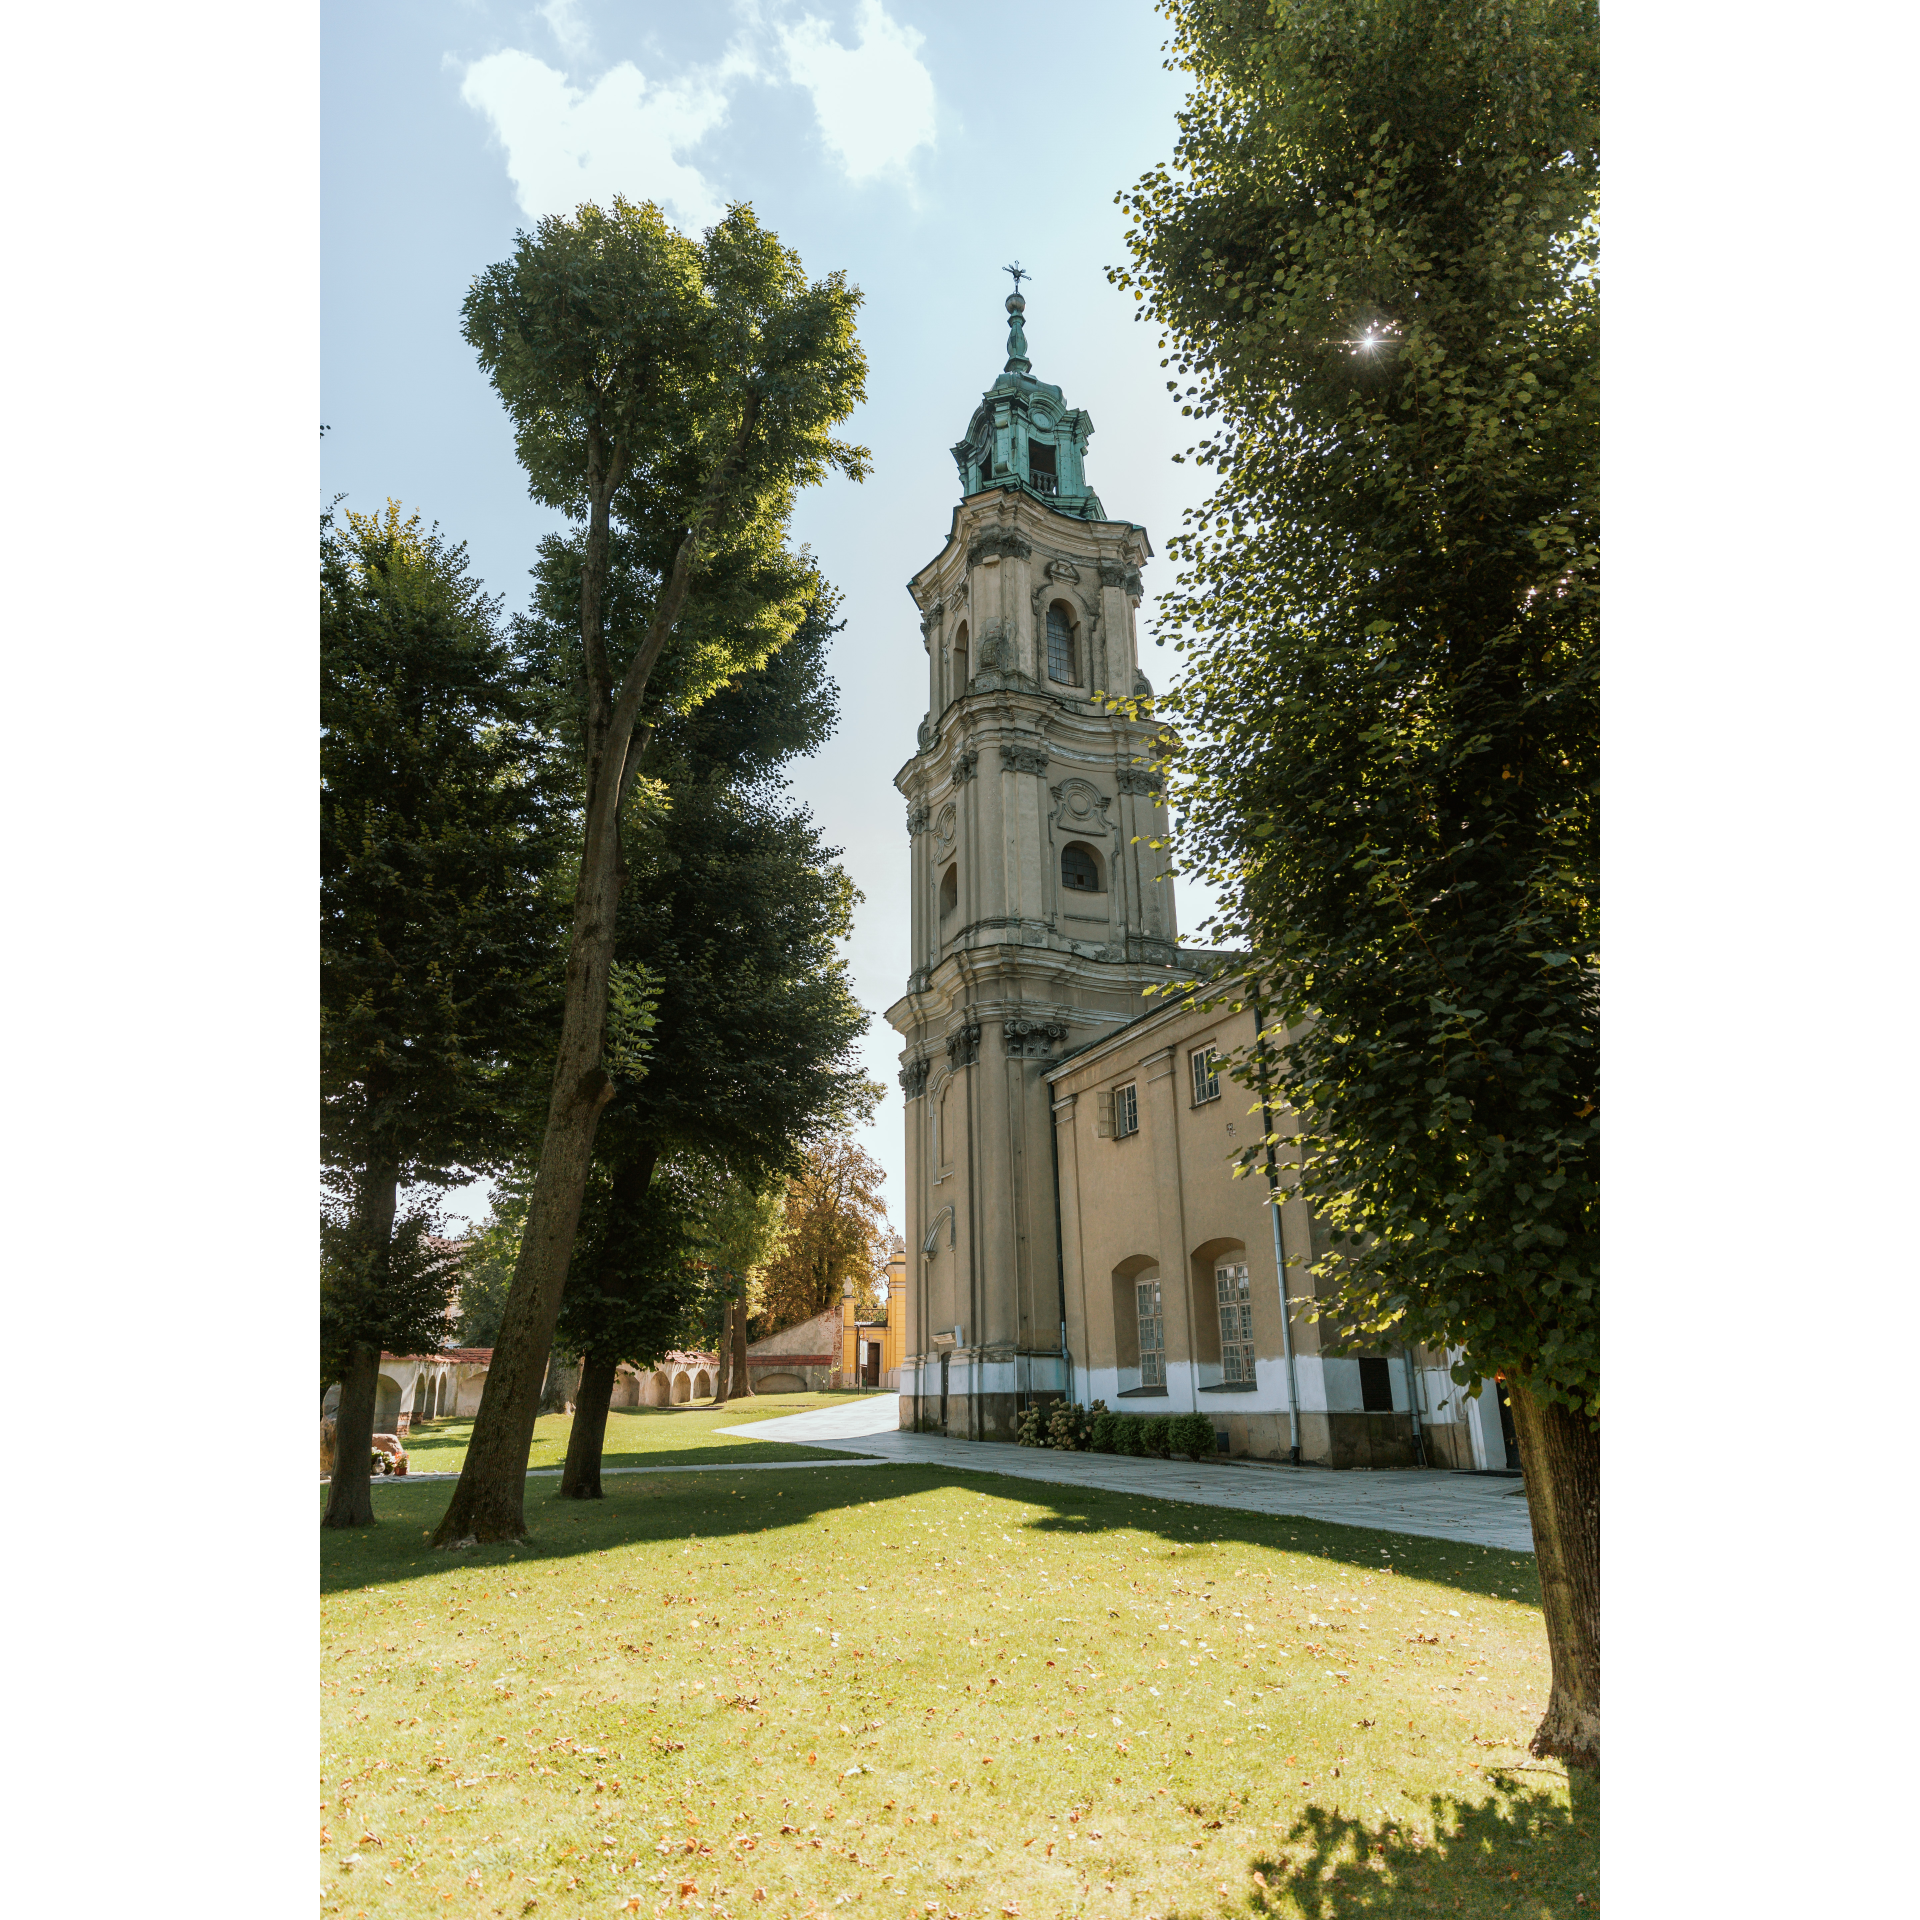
point(460, 1356)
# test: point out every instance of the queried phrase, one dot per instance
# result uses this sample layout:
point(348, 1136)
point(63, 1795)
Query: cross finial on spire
point(1019, 273)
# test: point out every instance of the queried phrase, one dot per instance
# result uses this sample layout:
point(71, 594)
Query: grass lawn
point(909, 1692)
point(635, 1435)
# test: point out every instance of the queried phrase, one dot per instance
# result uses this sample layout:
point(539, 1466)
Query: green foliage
point(487, 1261)
point(608, 325)
point(740, 1225)
point(1192, 1434)
point(1155, 1436)
point(635, 1272)
point(632, 997)
point(1105, 1432)
point(392, 1292)
point(436, 832)
point(1128, 1436)
point(438, 932)
point(1375, 260)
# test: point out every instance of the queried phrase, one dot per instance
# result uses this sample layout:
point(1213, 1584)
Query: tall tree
point(836, 1231)
point(436, 827)
point(1375, 260)
point(738, 908)
point(688, 387)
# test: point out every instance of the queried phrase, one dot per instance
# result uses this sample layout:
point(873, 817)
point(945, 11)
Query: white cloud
point(565, 144)
point(874, 102)
point(564, 22)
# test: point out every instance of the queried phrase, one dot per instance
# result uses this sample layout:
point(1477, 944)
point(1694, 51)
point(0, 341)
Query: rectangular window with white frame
point(1126, 1110)
point(1206, 1076)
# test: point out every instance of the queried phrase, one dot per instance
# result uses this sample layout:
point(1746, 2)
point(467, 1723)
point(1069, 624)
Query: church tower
point(1042, 903)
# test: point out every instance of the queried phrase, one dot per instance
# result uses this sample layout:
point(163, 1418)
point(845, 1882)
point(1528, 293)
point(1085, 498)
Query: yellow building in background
point(871, 1350)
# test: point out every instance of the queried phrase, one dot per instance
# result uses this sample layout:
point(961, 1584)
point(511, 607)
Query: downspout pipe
point(1413, 1406)
point(1279, 1255)
point(1059, 1245)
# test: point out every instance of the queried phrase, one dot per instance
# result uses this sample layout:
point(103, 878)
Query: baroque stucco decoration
point(1033, 1039)
point(1024, 759)
point(913, 1077)
point(963, 1044)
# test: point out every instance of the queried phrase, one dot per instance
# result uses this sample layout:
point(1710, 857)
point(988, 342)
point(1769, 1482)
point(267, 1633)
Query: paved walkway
point(1486, 1510)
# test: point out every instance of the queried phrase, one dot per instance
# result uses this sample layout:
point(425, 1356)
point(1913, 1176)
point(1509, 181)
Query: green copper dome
point(1024, 435)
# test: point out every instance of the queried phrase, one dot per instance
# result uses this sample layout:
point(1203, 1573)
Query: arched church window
point(949, 890)
point(1060, 661)
point(960, 674)
point(1234, 1291)
point(1079, 868)
point(1043, 467)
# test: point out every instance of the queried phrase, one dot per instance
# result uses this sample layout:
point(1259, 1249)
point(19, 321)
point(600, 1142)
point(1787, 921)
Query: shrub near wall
point(1192, 1435)
point(1154, 1436)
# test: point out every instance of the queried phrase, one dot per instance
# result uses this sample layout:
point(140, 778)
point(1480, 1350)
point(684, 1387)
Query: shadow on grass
point(716, 1506)
point(635, 1437)
point(1523, 1850)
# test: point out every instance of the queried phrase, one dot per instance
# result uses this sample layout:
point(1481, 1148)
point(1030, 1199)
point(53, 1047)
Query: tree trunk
point(580, 1477)
point(350, 1492)
point(742, 1385)
point(1560, 1453)
point(489, 1502)
point(724, 1364)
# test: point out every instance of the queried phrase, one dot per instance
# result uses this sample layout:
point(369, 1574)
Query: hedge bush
point(1192, 1434)
point(1154, 1436)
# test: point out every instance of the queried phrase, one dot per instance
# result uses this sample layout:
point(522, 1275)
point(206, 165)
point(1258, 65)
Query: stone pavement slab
point(1484, 1510)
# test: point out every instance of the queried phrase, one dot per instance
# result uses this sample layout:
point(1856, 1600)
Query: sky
point(897, 141)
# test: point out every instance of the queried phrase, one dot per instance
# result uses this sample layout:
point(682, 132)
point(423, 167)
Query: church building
point(1074, 1226)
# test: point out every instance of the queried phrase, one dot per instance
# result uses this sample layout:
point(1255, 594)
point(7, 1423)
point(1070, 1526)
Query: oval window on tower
point(1079, 868)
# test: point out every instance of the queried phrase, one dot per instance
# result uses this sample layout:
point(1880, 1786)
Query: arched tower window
point(1043, 467)
point(1080, 868)
point(1060, 649)
point(949, 891)
point(960, 673)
